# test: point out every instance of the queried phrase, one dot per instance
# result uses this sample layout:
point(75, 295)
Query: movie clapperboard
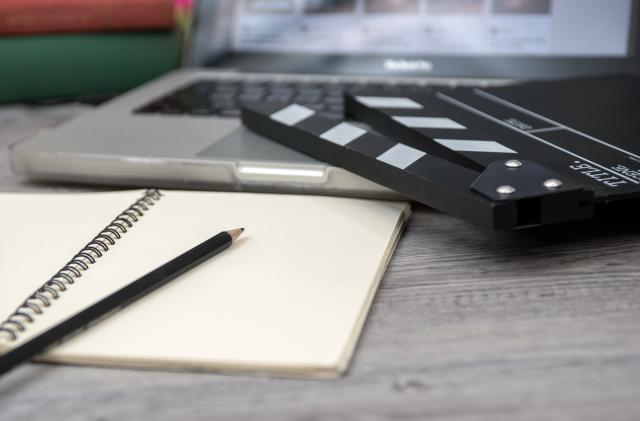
point(477, 154)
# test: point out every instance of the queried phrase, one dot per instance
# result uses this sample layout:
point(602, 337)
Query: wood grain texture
point(467, 325)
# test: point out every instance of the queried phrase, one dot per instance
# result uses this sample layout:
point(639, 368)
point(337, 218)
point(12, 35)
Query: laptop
point(182, 130)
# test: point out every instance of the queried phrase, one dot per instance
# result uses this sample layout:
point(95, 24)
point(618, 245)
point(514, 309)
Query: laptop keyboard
point(224, 97)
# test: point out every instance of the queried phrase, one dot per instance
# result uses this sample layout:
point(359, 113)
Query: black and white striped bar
point(432, 128)
point(411, 171)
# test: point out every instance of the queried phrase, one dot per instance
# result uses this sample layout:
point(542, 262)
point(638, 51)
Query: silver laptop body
point(320, 43)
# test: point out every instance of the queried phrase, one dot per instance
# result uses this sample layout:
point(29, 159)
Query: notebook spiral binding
point(54, 288)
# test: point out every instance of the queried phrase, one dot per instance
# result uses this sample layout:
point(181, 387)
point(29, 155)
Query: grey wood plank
point(467, 325)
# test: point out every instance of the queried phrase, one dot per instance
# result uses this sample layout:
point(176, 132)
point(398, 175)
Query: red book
point(51, 16)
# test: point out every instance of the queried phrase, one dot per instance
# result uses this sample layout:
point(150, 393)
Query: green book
point(67, 65)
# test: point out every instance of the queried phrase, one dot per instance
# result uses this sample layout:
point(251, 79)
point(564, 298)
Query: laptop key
point(233, 112)
point(314, 107)
point(276, 85)
point(308, 99)
point(253, 91)
point(223, 95)
point(249, 98)
point(222, 90)
point(310, 90)
point(282, 91)
point(331, 100)
point(278, 98)
point(224, 105)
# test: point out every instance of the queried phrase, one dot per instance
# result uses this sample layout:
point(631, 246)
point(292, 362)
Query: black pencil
point(119, 299)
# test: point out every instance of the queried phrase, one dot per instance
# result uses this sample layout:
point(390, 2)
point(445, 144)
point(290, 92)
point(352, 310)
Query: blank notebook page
point(289, 298)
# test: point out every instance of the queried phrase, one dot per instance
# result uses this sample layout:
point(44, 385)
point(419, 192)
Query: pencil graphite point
point(235, 233)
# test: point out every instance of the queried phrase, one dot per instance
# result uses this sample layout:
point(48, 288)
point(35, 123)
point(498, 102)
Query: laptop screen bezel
point(202, 54)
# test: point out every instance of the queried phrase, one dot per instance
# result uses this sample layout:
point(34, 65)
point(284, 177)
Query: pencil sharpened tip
point(235, 233)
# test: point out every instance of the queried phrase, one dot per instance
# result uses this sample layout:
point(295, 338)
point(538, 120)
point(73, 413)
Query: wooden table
point(467, 325)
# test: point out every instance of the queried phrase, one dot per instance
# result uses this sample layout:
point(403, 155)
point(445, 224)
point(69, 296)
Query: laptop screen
point(425, 27)
point(472, 29)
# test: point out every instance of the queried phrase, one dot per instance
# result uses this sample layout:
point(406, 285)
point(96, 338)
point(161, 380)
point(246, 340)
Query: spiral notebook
point(289, 299)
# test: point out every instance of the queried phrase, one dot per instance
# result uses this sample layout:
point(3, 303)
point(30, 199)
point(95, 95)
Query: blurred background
point(87, 50)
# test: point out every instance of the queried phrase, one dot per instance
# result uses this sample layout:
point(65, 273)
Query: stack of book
point(71, 48)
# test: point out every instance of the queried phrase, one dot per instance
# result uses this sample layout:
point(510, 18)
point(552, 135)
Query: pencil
point(120, 298)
